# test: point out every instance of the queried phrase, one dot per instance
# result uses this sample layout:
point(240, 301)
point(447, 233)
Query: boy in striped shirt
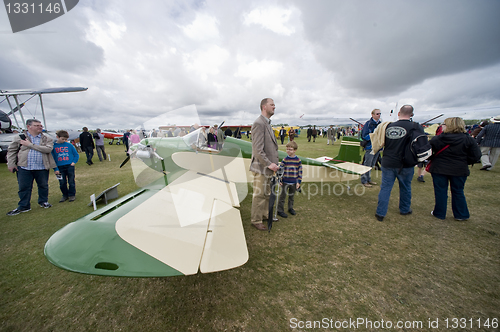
point(292, 177)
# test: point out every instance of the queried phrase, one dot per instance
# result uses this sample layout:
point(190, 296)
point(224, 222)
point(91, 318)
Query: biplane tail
point(349, 150)
point(344, 167)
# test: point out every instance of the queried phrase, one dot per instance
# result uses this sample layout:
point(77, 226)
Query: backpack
point(417, 147)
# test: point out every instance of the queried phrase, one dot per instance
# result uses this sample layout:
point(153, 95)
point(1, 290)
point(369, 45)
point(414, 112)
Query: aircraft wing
point(40, 91)
point(178, 229)
point(189, 225)
point(33, 92)
point(330, 170)
point(344, 166)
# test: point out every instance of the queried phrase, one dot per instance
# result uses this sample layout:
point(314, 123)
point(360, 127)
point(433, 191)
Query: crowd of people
point(331, 133)
point(33, 153)
point(453, 148)
point(211, 137)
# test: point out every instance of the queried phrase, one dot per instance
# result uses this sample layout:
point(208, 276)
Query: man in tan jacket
point(264, 163)
point(30, 156)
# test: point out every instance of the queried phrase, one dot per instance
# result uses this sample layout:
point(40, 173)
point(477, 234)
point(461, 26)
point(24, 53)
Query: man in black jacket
point(282, 134)
point(87, 144)
point(392, 164)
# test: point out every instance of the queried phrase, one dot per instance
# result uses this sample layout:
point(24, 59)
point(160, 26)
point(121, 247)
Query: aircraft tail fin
point(349, 150)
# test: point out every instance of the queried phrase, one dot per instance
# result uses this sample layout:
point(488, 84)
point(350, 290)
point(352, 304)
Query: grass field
point(331, 264)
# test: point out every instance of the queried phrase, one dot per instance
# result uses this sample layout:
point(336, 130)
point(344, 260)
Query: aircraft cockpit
point(197, 140)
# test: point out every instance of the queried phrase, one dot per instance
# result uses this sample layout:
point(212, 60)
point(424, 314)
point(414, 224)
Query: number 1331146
point(31, 8)
point(464, 323)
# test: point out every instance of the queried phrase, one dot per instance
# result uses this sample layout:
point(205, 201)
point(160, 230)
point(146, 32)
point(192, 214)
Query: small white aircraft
point(185, 218)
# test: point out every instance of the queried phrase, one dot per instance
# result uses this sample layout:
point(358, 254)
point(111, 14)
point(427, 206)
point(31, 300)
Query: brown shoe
point(260, 227)
point(372, 183)
point(367, 185)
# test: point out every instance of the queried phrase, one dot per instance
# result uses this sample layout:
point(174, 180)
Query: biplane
point(6, 139)
point(184, 219)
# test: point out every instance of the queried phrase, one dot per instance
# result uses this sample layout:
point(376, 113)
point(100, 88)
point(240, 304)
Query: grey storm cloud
point(384, 47)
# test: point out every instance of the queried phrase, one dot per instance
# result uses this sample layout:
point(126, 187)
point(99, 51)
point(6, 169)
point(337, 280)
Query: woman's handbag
point(428, 167)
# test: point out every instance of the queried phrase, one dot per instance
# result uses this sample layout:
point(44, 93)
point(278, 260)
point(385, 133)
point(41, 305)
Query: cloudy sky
point(321, 61)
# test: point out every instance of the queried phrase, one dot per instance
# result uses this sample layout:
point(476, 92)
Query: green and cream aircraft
point(185, 218)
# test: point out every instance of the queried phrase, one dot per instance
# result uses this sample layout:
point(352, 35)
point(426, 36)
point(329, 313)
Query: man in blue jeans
point(30, 156)
point(370, 159)
point(392, 164)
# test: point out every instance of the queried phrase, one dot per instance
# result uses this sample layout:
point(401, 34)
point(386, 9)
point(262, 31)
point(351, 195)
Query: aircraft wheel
point(3, 156)
point(118, 143)
point(110, 143)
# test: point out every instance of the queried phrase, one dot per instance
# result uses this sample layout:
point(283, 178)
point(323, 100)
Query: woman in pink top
point(134, 138)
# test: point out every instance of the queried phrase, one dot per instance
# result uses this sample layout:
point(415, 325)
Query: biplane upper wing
point(33, 92)
point(40, 91)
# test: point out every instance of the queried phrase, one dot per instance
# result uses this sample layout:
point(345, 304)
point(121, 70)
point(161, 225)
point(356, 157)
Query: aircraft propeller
point(440, 115)
point(142, 152)
point(125, 161)
point(140, 147)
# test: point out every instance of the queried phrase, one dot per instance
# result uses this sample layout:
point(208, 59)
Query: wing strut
point(13, 113)
point(20, 112)
point(43, 112)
